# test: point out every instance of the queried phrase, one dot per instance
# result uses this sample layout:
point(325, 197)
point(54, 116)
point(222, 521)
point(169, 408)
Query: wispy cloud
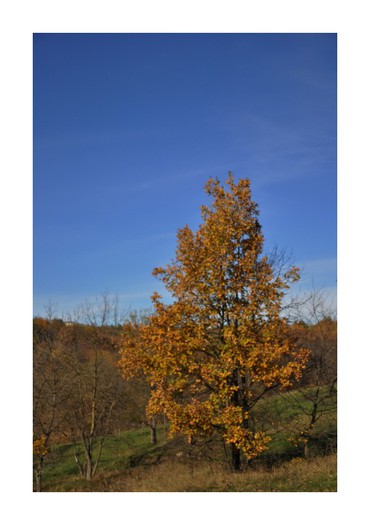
point(280, 152)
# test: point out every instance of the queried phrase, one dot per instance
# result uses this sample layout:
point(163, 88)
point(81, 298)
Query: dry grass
point(299, 475)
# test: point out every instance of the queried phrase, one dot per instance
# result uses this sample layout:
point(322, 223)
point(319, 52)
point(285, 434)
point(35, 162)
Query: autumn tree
point(212, 354)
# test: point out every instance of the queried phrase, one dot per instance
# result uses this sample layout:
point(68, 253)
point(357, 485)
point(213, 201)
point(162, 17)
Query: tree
point(97, 389)
point(78, 392)
point(139, 392)
point(50, 389)
point(104, 310)
point(222, 344)
point(315, 395)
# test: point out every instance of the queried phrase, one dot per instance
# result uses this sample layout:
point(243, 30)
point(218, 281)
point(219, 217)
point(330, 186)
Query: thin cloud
point(281, 152)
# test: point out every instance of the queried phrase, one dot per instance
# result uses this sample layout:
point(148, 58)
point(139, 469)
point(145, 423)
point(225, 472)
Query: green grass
point(129, 462)
point(120, 452)
point(283, 418)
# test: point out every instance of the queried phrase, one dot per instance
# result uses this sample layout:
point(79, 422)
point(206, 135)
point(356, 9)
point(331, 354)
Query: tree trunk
point(88, 467)
point(98, 457)
point(235, 457)
point(38, 473)
point(306, 449)
point(80, 467)
point(153, 432)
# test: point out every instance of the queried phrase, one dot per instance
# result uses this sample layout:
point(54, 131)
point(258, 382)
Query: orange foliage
point(39, 446)
point(222, 344)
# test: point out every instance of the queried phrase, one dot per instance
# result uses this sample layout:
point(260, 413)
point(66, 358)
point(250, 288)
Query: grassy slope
point(130, 463)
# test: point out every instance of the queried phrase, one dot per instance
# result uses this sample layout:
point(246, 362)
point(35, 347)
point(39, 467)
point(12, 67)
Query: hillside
point(130, 463)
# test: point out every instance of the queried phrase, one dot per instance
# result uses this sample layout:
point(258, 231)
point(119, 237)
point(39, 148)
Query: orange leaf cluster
point(39, 447)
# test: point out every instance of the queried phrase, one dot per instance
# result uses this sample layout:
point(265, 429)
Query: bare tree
point(104, 310)
point(50, 389)
point(51, 309)
point(316, 395)
point(98, 389)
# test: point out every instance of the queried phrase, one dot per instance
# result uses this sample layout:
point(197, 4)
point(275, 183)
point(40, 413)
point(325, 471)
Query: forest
point(229, 387)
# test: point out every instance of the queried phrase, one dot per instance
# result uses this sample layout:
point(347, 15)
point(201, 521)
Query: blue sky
point(128, 128)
